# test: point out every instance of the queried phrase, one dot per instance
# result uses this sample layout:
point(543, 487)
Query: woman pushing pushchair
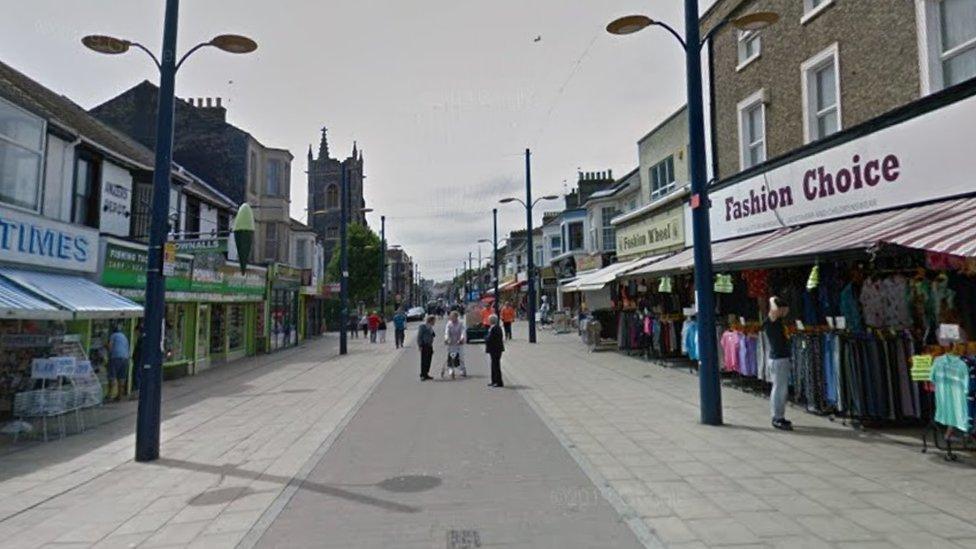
point(454, 338)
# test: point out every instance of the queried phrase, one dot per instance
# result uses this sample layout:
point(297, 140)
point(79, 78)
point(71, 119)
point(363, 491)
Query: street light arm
point(148, 52)
point(519, 200)
point(708, 35)
point(191, 52)
point(673, 32)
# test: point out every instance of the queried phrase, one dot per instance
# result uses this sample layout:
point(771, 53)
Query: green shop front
point(285, 299)
point(213, 310)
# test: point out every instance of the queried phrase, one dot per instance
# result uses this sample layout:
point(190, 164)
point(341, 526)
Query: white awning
point(78, 296)
point(599, 279)
point(16, 302)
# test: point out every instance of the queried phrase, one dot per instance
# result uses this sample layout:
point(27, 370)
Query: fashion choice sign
point(34, 240)
point(922, 159)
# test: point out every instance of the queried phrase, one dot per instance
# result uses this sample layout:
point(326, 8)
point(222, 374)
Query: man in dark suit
point(425, 340)
point(495, 346)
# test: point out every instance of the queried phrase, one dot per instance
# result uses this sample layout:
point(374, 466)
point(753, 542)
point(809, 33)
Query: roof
point(297, 225)
point(202, 189)
point(664, 122)
point(70, 118)
point(623, 184)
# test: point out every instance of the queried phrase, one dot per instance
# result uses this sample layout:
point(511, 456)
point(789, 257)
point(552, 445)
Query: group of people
point(373, 326)
point(455, 337)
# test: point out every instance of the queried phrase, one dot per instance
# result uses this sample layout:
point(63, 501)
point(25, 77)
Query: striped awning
point(16, 302)
point(80, 297)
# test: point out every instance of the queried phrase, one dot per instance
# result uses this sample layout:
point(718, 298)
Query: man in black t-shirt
point(780, 362)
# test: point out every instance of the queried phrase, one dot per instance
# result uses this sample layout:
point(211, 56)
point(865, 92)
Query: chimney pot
point(218, 101)
point(199, 101)
point(209, 100)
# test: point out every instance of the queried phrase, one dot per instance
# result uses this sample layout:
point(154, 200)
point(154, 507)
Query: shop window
point(662, 177)
point(749, 46)
point(192, 228)
point(173, 340)
point(576, 235)
point(217, 329)
point(85, 196)
point(21, 157)
point(609, 233)
point(821, 94)
point(752, 130)
point(235, 327)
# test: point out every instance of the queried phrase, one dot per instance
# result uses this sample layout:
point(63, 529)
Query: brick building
point(324, 191)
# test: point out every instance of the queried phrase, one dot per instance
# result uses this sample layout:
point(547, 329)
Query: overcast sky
point(442, 95)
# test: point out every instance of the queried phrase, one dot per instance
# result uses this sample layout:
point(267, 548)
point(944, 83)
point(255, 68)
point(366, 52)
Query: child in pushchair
point(453, 364)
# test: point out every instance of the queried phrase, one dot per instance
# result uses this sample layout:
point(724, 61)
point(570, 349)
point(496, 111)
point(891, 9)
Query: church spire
point(310, 157)
point(354, 153)
point(324, 145)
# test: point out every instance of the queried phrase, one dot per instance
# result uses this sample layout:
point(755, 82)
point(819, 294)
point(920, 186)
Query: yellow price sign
point(169, 259)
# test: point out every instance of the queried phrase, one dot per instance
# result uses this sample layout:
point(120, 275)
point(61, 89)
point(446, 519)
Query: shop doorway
point(203, 338)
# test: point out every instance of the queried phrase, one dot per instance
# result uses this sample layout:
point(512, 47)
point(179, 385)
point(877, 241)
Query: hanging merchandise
point(665, 285)
point(814, 279)
point(922, 367)
point(723, 283)
point(953, 392)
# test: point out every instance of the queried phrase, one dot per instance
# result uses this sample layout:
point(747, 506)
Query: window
point(576, 235)
point(752, 130)
point(555, 245)
point(332, 197)
point(301, 253)
point(821, 95)
point(749, 47)
point(812, 8)
point(252, 172)
point(539, 255)
point(270, 242)
point(192, 227)
point(947, 32)
point(633, 205)
point(141, 199)
point(609, 234)
point(223, 223)
point(21, 155)
point(662, 177)
point(332, 232)
point(85, 196)
point(273, 178)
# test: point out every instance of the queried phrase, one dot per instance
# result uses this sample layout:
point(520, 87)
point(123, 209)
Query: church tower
point(324, 192)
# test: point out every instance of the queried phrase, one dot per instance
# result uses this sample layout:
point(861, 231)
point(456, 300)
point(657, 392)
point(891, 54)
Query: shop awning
point(79, 296)
point(685, 259)
point(16, 302)
point(599, 279)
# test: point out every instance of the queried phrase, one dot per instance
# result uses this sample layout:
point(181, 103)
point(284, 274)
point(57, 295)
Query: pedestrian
point(454, 337)
point(373, 323)
point(137, 360)
point(399, 327)
point(381, 329)
point(364, 325)
point(118, 363)
point(353, 325)
point(780, 363)
point(495, 346)
point(508, 317)
point(425, 340)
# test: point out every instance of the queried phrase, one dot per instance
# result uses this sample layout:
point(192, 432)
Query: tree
point(364, 265)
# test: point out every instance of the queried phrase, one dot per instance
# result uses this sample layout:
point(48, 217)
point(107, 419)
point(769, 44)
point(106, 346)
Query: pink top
point(730, 350)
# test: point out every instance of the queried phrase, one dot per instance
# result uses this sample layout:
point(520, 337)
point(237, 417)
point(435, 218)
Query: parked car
point(416, 313)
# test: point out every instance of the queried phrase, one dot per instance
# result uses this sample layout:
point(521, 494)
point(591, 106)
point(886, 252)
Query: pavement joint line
point(257, 531)
point(626, 512)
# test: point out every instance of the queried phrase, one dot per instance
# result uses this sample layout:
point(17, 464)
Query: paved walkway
point(234, 438)
point(634, 426)
point(446, 464)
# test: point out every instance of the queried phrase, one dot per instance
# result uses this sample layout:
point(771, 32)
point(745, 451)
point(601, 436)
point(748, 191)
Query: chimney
point(610, 176)
point(212, 109)
point(209, 102)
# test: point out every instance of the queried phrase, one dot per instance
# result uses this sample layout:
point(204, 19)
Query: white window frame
point(757, 99)
point(930, 55)
point(742, 38)
point(810, 11)
point(830, 54)
point(42, 166)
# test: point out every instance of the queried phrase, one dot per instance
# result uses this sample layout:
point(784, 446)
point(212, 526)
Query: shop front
point(49, 307)
point(869, 237)
point(284, 291)
point(313, 305)
point(208, 306)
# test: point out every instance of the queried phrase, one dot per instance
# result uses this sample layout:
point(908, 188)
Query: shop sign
point(652, 234)
point(286, 275)
point(233, 282)
point(589, 262)
point(125, 267)
point(24, 341)
point(169, 259)
point(889, 168)
point(200, 246)
point(35, 240)
point(116, 200)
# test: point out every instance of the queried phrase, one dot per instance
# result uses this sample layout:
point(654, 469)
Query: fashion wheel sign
point(925, 158)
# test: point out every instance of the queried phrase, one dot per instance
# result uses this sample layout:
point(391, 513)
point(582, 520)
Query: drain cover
point(410, 483)
point(463, 539)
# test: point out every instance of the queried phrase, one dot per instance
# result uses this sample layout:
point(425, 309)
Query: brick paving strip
point(633, 427)
point(234, 438)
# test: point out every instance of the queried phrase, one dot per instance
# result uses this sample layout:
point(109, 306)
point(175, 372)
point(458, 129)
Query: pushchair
point(454, 362)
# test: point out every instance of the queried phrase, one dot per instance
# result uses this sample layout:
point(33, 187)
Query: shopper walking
point(373, 323)
point(495, 346)
point(508, 317)
point(399, 327)
point(364, 325)
point(780, 363)
point(425, 340)
point(455, 335)
point(381, 330)
point(118, 363)
point(352, 325)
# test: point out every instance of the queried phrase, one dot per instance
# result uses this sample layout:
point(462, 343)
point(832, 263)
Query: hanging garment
point(872, 303)
point(730, 350)
point(950, 374)
point(849, 309)
point(894, 295)
point(690, 339)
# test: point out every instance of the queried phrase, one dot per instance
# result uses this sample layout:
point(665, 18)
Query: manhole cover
point(463, 539)
point(410, 483)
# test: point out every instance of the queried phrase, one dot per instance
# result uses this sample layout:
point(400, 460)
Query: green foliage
point(364, 265)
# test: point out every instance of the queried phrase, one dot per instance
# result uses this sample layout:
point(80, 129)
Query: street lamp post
point(530, 265)
point(148, 416)
point(383, 265)
point(344, 262)
point(709, 382)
